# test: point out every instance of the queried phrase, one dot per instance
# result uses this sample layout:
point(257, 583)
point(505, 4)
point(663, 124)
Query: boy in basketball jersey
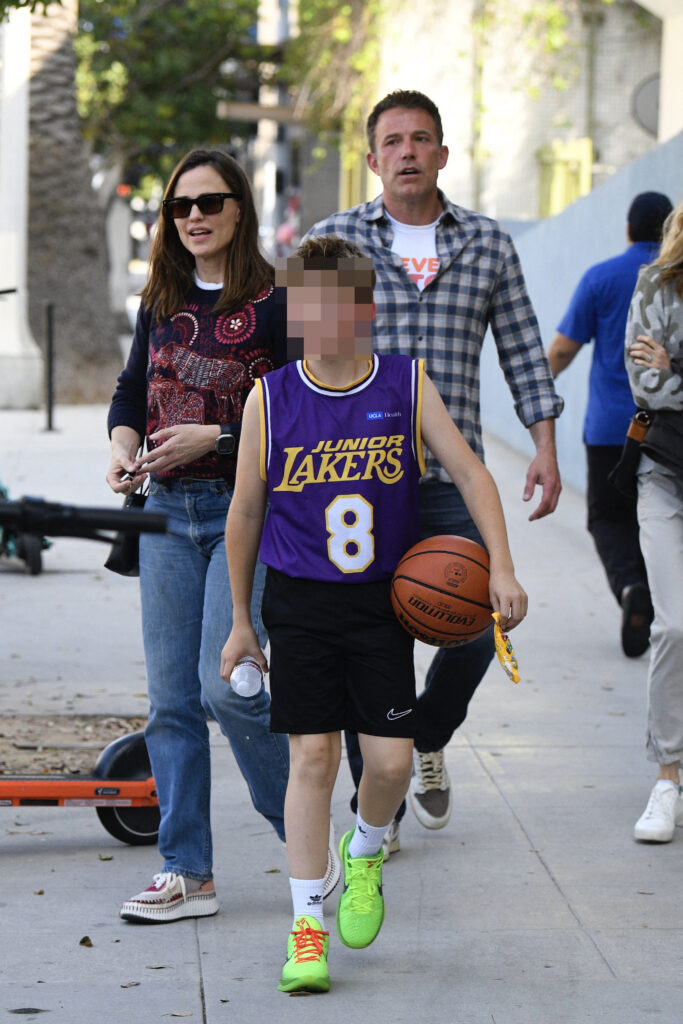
point(334, 442)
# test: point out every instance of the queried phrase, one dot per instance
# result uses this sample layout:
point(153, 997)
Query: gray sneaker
point(430, 789)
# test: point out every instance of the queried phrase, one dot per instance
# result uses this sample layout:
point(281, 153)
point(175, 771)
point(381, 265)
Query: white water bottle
point(246, 678)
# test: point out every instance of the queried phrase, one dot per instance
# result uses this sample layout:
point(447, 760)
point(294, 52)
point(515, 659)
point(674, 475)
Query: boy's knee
point(394, 770)
point(314, 759)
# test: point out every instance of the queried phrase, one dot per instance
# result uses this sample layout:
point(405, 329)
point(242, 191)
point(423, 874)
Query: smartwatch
point(225, 442)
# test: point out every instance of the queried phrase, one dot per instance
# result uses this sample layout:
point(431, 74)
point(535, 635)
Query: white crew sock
point(366, 840)
point(307, 898)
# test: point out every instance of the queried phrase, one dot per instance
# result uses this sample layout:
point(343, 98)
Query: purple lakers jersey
point(342, 468)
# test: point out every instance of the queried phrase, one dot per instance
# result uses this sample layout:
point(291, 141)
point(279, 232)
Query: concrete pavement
point(533, 906)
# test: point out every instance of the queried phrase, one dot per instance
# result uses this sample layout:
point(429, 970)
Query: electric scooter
point(121, 788)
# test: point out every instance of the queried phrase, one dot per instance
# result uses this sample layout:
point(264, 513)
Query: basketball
point(440, 591)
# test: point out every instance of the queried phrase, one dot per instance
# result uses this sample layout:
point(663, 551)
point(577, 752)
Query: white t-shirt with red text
point(416, 245)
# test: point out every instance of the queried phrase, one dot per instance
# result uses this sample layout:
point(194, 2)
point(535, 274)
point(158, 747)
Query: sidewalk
point(533, 906)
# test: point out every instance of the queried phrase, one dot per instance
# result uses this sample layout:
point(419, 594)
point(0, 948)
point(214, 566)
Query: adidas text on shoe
point(663, 812)
point(430, 789)
point(392, 840)
point(167, 899)
point(360, 910)
point(305, 969)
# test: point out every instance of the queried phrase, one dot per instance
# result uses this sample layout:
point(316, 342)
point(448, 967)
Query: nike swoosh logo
point(392, 715)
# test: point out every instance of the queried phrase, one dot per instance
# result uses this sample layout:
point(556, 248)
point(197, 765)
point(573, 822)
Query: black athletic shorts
point(339, 659)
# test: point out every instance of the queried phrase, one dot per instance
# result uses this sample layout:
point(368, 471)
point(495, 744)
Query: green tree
point(332, 64)
point(6, 6)
point(151, 73)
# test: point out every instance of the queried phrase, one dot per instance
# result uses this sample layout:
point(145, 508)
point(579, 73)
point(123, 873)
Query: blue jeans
point(455, 672)
point(186, 619)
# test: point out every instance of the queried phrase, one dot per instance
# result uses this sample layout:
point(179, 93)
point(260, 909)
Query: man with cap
point(597, 312)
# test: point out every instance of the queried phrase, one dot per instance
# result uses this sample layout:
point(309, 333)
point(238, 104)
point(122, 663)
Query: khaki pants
point(660, 515)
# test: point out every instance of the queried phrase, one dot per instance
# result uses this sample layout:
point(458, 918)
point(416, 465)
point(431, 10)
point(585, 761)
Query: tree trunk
point(67, 257)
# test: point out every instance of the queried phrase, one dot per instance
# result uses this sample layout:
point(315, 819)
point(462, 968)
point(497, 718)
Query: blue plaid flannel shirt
point(479, 283)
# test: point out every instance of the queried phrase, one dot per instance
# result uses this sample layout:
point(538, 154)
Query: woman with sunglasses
point(207, 328)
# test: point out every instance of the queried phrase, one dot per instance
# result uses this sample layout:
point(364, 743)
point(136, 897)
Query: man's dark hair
point(410, 99)
point(646, 216)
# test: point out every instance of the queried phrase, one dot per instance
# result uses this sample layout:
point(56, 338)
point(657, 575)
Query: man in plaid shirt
point(444, 274)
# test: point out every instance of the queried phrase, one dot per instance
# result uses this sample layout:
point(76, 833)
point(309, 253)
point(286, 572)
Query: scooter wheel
point(30, 549)
point(127, 758)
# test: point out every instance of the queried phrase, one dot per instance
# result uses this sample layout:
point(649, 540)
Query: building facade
point(528, 130)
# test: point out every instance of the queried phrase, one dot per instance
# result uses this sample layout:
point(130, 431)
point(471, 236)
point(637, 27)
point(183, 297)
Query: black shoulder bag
point(124, 557)
point(624, 476)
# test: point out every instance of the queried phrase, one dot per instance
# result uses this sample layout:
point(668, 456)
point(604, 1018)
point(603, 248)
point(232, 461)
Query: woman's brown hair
point(171, 276)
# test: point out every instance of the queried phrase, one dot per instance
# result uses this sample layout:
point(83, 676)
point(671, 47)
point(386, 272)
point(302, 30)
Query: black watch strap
point(226, 442)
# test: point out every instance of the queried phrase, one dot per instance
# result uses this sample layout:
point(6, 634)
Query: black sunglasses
point(211, 202)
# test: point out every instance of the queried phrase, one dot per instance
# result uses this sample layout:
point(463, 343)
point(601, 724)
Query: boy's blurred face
point(329, 311)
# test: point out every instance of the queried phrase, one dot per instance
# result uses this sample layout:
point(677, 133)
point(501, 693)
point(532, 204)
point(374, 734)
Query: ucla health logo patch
point(374, 415)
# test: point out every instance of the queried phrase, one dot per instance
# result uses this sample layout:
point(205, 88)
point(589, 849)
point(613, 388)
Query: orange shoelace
point(308, 943)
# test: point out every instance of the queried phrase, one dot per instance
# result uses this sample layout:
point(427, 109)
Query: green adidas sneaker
point(360, 910)
point(305, 969)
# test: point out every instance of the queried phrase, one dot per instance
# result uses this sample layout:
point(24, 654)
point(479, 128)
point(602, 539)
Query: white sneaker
point(663, 812)
point(430, 789)
point(333, 872)
point(392, 841)
point(167, 899)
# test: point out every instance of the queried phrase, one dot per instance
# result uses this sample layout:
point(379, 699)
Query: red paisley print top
point(198, 367)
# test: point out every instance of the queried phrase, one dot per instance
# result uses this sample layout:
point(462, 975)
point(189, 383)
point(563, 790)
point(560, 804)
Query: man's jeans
point(455, 672)
point(186, 619)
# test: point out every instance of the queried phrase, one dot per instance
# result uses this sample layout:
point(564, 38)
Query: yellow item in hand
point(506, 655)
